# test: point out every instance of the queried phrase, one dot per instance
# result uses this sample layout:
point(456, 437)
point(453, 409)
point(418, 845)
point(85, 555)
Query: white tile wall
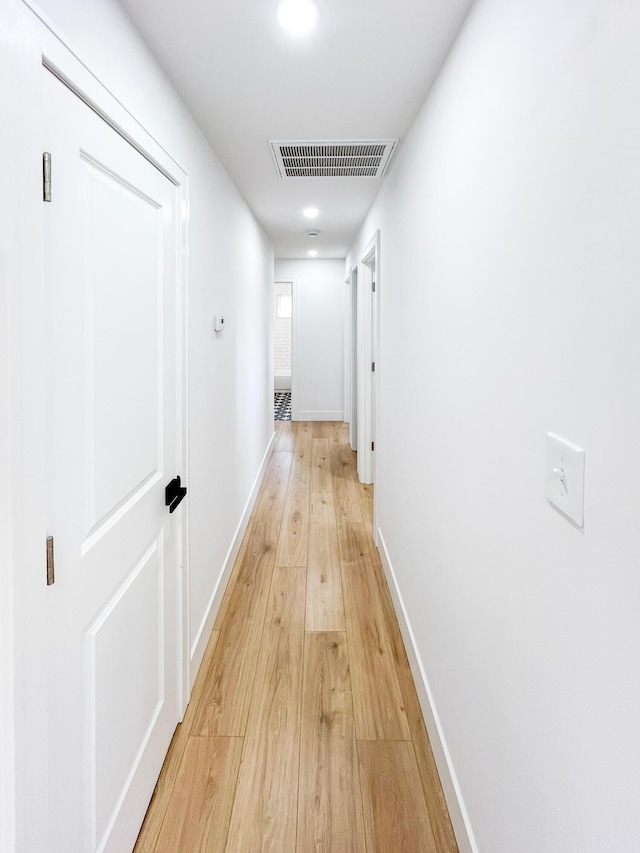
point(282, 335)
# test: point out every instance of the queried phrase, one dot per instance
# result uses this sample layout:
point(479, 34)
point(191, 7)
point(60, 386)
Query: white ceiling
point(363, 74)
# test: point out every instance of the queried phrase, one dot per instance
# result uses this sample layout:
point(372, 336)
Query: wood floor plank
point(365, 491)
point(294, 535)
point(431, 786)
point(377, 699)
point(163, 793)
point(226, 697)
point(264, 814)
point(320, 467)
point(304, 431)
point(228, 593)
point(270, 503)
point(197, 820)
point(344, 483)
point(336, 432)
point(395, 816)
point(325, 609)
point(353, 540)
point(285, 435)
point(330, 816)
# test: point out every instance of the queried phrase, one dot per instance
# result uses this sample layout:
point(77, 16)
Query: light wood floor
point(304, 733)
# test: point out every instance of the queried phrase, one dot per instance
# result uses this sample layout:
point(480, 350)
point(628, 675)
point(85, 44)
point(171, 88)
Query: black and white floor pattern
point(282, 405)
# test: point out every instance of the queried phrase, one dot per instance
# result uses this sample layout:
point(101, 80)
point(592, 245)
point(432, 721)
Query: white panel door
point(111, 269)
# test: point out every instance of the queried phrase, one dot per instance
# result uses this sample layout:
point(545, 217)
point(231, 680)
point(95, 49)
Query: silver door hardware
point(46, 176)
point(51, 573)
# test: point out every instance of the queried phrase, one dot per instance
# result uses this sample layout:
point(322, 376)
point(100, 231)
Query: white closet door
point(113, 414)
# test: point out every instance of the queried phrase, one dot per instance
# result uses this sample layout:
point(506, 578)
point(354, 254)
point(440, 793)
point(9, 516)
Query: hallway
point(304, 731)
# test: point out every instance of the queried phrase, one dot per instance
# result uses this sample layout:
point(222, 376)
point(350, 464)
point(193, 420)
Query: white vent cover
point(359, 158)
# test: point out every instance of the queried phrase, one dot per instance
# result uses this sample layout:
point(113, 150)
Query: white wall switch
point(565, 477)
point(218, 322)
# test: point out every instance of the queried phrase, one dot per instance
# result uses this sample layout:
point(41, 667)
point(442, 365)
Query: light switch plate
point(565, 477)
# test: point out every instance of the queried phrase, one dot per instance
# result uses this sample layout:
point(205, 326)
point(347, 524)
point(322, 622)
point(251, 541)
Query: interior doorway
point(365, 364)
point(283, 350)
point(353, 362)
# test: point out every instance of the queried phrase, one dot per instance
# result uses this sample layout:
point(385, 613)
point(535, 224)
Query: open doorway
point(362, 361)
point(353, 362)
point(283, 350)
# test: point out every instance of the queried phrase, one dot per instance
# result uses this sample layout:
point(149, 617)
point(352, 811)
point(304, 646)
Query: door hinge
point(373, 445)
point(373, 367)
point(46, 176)
point(51, 572)
point(373, 286)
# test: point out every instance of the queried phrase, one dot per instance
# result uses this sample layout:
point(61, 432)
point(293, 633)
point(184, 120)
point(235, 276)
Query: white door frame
point(22, 761)
point(367, 345)
point(353, 358)
point(347, 350)
point(35, 42)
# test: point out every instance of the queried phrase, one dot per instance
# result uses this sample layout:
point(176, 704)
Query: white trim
point(452, 793)
point(353, 359)
point(204, 631)
point(12, 62)
point(347, 350)
point(295, 338)
point(335, 415)
point(368, 264)
point(23, 759)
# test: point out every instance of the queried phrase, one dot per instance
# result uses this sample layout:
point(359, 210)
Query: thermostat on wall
point(218, 322)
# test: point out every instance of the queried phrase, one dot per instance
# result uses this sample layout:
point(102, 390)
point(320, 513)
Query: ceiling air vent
point(361, 158)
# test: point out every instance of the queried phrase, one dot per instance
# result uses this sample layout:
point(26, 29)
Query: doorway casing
point(364, 352)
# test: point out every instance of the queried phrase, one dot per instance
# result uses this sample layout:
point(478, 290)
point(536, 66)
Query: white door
point(353, 425)
point(113, 651)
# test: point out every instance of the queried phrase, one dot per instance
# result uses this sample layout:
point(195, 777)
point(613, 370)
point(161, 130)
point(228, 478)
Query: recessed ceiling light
point(312, 252)
point(310, 212)
point(297, 17)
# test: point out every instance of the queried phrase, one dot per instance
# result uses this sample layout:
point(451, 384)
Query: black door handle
point(174, 493)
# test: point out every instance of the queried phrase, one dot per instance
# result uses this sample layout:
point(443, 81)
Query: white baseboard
point(457, 811)
point(318, 416)
point(204, 632)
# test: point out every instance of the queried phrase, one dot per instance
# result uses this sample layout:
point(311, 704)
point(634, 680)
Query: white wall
point(318, 357)
point(510, 306)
